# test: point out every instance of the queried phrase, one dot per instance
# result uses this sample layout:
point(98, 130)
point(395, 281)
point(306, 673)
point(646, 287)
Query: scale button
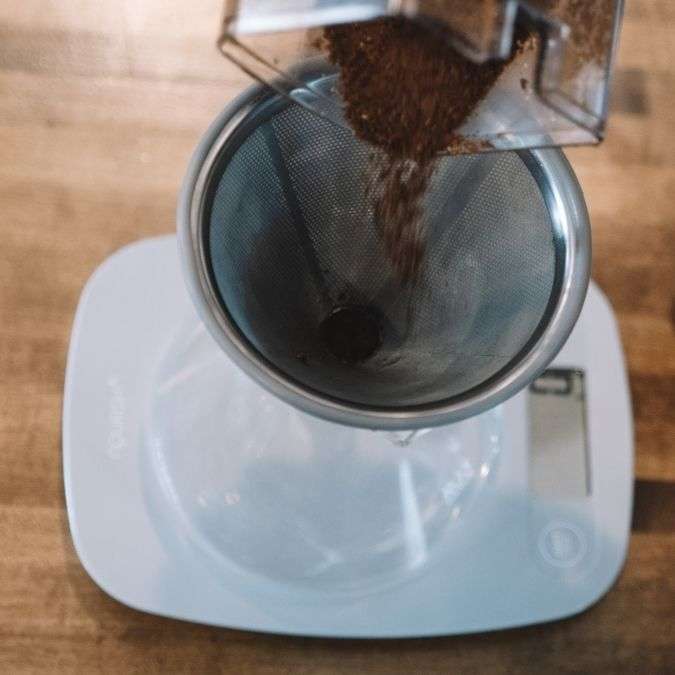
point(562, 544)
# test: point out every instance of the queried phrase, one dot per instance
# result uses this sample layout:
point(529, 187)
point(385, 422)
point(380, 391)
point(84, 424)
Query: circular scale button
point(562, 544)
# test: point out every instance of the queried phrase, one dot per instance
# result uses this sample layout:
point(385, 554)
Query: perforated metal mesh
point(291, 235)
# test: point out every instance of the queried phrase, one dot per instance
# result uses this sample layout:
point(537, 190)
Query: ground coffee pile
point(591, 23)
point(406, 91)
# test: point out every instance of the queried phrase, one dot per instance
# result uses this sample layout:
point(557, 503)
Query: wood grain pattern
point(101, 104)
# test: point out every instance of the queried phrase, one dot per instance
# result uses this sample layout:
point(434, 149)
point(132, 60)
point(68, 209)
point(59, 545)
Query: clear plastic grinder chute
point(555, 93)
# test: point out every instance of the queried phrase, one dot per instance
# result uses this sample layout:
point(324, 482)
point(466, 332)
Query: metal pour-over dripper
point(280, 238)
point(554, 93)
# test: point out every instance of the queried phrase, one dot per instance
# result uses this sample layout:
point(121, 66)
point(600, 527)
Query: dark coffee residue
point(351, 334)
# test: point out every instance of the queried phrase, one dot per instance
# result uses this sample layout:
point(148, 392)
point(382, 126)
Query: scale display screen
point(559, 462)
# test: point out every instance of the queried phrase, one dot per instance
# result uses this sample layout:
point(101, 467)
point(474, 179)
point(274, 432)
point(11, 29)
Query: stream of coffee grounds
point(406, 91)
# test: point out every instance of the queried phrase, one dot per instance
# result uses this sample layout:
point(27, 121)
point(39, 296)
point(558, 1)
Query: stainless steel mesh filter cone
point(277, 232)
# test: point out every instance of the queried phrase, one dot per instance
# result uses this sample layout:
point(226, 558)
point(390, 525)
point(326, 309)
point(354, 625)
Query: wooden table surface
point(101, 104)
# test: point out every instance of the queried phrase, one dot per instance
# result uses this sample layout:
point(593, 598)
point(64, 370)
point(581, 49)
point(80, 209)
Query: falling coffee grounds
point(407, 91)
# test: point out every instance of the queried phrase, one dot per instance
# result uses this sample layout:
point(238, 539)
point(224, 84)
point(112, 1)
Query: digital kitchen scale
point(526, 520)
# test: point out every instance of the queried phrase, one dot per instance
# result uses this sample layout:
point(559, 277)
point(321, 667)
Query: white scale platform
point(543, 535)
